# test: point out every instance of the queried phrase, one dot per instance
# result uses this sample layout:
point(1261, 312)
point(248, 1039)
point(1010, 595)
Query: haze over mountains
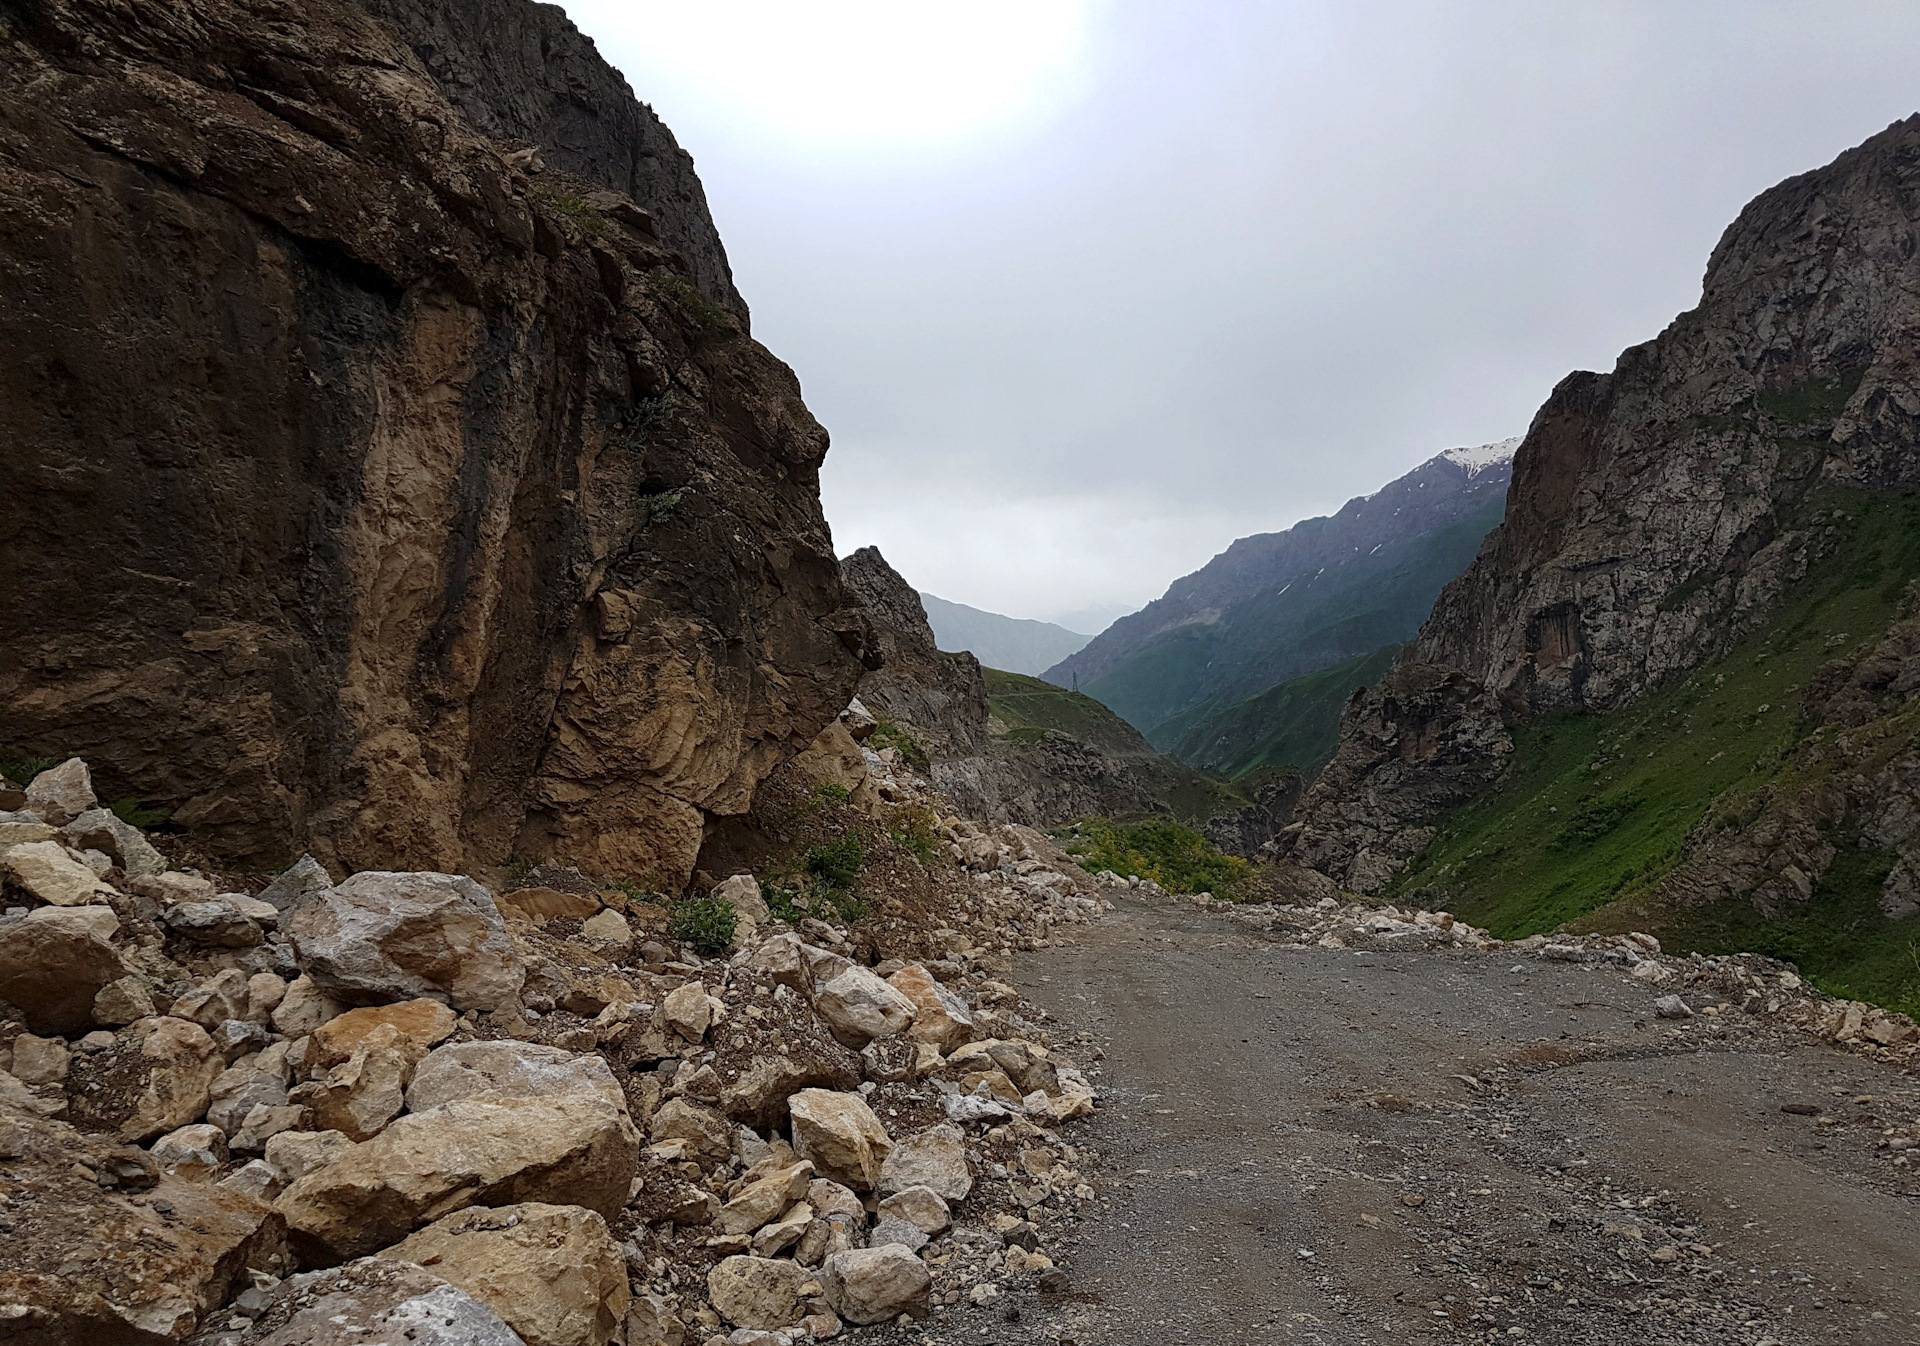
point(1015, 644)
point(1206, 672)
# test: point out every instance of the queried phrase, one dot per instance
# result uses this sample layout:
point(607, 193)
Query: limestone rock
point(896, 1230)
point(829, 1198)
point(237, 1091)
point(38, 1060)
point(742, 893)
point(688, 1011)
point(876, 1285)
point(361, 1094)
point(840, 1135)
point(935, 1159)
point(382, 936)
point(920, 1207)
point(122, 1001)
point(756, 1292)
point(294, 1154)
point(157, 1077)
point(304, 1008)
point(418, 1026)
point(777, 1236)
point(373, 1302)
point(510, 1070)
point(195, 1151)
point(216, 923)
point(19, 828)
point(570, 1149)
point(859, 1007)
point(781, 961)
point(705, 1131)
point(90, 1263)
point(651, 1321)
point(214, 1000)
point(537, 906)
point(759, 1096)
point(45, 870)
point(551, 1273)
point(940, 1016)
point(295, 885)
point(102, 830)
point(765, 1199)
point(609, 927)
point(62, 793)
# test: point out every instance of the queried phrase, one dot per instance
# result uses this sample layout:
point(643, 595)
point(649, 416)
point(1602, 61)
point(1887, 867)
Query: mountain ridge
point(1015, 644)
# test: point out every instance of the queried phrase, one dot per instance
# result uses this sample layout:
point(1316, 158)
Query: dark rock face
point(1653, 519)
point(940, 698)
point(360, 490)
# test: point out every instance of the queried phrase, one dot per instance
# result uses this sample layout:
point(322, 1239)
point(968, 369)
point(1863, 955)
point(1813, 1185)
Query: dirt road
point(1322, 1146)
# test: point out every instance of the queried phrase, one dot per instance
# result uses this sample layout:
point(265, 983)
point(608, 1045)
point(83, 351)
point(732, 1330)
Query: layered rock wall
point(1656, 512)
point(362, 488)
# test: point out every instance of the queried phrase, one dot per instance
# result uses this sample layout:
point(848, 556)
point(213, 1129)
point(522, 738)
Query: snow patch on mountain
point(1477, 460)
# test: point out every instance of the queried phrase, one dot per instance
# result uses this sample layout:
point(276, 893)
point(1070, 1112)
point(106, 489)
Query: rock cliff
point(384, 464)
point(1659, 513)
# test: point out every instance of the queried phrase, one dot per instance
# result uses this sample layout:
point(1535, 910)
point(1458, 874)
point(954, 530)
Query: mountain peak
point(1484, 456)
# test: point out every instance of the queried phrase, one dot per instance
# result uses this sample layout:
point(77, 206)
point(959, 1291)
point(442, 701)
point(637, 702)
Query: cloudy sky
point(1085, 289)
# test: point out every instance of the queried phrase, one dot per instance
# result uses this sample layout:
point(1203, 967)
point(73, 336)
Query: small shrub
point(706, 924)
point(913, 830)
point(519, 867)
point(682, 295)
point(136, 814)
point(638, 892)
point(783, 902)
point(22, 770)
point(827, 794)
point(837, 863)
point(1177, 858)
point(660, 506)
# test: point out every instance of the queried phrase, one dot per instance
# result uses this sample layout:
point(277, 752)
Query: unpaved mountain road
point(1290, 1155)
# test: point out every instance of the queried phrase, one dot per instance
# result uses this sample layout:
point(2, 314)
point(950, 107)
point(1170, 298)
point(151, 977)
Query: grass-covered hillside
point(1296, 724)
point(1025, 708)
point(1600, 812)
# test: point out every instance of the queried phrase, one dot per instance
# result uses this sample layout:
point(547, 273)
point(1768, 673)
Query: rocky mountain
point(388, 470)
point(1728, 501)
point(1278, 606)
point(1012, 643)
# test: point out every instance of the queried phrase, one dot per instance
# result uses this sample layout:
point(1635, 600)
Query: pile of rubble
point(397, 1104)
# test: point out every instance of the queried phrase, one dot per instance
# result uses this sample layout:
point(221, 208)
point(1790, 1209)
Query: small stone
point(38, 1060)
point(196, 1151)
point(1672, 1007)
point(688, 1011)
point(876, 1285)
point(215, 923)
point(756, 1292)
point(840, 1135)
point(935, 1159)
point(62, 793)
point(920, 1207)
point(609, 927)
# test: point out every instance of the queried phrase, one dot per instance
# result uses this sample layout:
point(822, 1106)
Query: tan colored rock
point(540, 905)
point(17, 829)
point(265, 1121)
point(775, 1238)
point(609, 927)
point(510, 1070)
point(62, 793)
point(363, 1093)
point(214, 1000)
point(373, 1302)
point(101, 830)
point(195, 1152)
point(552, 1273)
point(418, 1026)
point(781, 962)
point(304, 1008)
point(759, 1096)
point(920, 1207)
point(756, 1292)
point(382, 936)
point(940, 1017)
point(45, 870)
point(705, 1131)
point(765, 1199)
point(935, 1159)
point(877, 1285)
point(570, 1150)
point(859, 1007)
point(38, 1060)
point(840, 1135)
point(829, 1198)
point(237, 1091)
point(294, 1154)
point(688, 1011)
point(173, 1066)
point(122, 1001)
point(116, 1266)
point(651, 1321)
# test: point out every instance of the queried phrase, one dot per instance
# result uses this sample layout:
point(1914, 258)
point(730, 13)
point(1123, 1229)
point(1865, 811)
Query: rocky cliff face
point(1658, 513)
point(364, 488)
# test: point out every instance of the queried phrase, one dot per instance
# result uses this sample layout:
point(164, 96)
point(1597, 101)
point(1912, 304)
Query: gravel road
point(1322, 1146)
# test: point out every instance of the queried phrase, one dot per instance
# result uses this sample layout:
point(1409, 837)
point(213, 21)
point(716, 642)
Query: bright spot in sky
point(837, 75)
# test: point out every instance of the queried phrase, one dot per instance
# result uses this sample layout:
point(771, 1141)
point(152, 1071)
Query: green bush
point(782, 901)
point(891, 735)
point(705, 923)
point(1177, 858)
point(826, 793)
point(837, 863)
point(22, 770)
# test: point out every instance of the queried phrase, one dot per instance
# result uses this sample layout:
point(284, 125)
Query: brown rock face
point(1655, 515)
point(360, 489)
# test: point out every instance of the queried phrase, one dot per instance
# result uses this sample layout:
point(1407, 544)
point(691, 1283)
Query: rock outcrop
point(940, 699)
point(385, 467)
point(1658, 513)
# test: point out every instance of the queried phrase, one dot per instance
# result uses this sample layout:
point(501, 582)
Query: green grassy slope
point(1598, 808)
point(1296, 724)
point(1029, 707)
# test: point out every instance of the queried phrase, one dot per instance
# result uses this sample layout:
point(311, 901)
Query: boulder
point(568, 1149)
point(829, 1198)
point(777, 1236)
point(759, 1096)
point(651, 1321)
point(417, 1025)
point(891, 1060)
point(940, 1017)
point(214, 1000)
point(62, 793)
point(195, 1151)
point(123, 1001)
point(609, 927)
point(688, 1011)
point(935, 1159)
point(781, 962)
point(265, 993)
point(893, 1229)
point(509, 1070)
point(16, 828)
point(756, 1292)
point(101, 830)
point(840, 1135)
point(742, 893)
point(765, 1199)
point(921, 1207)
point(265, 1121)
point(45, 870)
point(877, 1285)
point(551, 1273)
point(361, 1094)
point(216, 923)
point(304, 1008)
point(295, 885)
point(377, 1303)
point(157, 1077)
point(237, 1091)
point(705, 1131)
point(294, 1154)
point(859, 1007)
point(382, 936)
point(138, 1261)
point(38, 1060)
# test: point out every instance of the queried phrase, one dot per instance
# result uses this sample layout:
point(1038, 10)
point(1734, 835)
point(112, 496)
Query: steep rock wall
point(1655, 513)
point(361, 490)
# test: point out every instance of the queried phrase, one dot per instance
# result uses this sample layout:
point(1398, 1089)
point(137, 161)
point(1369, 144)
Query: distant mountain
point(1198, 671)
point(1012, 643)
point(1096, 617)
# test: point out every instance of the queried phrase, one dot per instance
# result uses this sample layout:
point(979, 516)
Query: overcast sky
point(1084, 290)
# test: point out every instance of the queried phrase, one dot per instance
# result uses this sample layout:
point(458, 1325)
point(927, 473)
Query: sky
point(1086, 289)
